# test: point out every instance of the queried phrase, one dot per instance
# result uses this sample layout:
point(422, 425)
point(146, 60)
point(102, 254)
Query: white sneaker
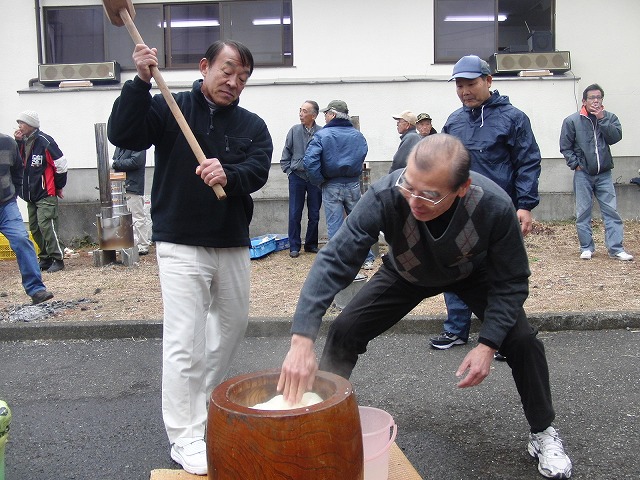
point(191, 453)
point(547, 447)
point(368, 265)
point(585, 255)
point(624, 256)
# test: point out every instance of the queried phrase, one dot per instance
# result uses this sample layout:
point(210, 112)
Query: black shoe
point(446, 340)
point(56, 266)
point(311, 249)
point(499, 357)
point(294, 254)
point(41, 296)
point(45, 263)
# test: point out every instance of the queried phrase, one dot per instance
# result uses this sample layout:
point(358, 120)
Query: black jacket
point(183, 208)
point(133, 164)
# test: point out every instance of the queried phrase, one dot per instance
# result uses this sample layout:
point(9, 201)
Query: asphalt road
point(90, 409)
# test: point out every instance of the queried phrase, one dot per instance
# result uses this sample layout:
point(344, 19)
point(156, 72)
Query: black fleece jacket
point(184, 209)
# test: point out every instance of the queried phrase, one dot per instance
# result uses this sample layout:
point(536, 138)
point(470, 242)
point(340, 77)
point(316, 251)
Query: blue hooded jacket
point(502, 147)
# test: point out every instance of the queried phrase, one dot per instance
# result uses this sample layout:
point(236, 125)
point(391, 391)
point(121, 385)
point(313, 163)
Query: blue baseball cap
point(470, 66)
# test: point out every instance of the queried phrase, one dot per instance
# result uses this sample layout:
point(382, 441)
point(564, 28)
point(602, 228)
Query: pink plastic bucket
point(378, 434)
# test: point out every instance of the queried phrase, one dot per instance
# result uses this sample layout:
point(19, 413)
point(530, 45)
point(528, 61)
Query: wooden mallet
point(121, 12)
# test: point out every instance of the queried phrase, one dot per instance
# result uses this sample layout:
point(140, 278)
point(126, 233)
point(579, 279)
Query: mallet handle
point(177, 113)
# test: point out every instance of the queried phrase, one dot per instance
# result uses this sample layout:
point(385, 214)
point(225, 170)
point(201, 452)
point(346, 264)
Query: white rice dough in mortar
point(278, 403)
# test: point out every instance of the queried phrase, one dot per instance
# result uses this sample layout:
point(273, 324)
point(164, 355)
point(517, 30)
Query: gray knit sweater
point(484, 230)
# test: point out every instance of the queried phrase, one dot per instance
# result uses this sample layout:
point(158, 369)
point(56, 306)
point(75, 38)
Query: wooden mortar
point(320, 442)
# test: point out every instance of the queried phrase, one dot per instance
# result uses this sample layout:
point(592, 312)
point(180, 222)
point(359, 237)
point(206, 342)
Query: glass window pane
point(262, 27)
point(181, 32)
point(470, 26)
point(74, 35)
point(190, 31)
point(464, 27)
point(119, 45)
point(521, 18)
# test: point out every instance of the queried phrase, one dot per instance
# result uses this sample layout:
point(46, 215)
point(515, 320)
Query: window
point(485, 27)
point(180, 31)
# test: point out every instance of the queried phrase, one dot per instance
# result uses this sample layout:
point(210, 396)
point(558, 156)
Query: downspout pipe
point(38, 31)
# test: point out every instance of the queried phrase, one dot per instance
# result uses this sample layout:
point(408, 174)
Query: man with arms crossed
point(291, 163)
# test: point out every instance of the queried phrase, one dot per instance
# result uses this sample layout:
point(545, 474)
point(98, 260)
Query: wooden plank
point(399, 469)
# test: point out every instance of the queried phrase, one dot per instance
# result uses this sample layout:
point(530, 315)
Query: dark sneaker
point(45, 263)
point(56, 266)
point(311, 249)
point(498, 356)
point(547, 447)
point(41, 296)
point(446, 340)
point(294, 254)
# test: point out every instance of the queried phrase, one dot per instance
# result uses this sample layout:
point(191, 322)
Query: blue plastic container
point(262, 246)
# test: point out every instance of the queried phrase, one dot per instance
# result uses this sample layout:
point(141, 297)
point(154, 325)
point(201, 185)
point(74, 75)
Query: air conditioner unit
point(555, 62)
point(100, 72)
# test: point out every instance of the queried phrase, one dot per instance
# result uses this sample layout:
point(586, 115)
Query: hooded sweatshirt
point(502, 147)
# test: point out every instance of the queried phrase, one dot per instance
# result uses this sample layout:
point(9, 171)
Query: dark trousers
point(298, 190)
point(386, 298)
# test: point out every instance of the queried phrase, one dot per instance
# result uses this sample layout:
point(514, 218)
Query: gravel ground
point(560, 282)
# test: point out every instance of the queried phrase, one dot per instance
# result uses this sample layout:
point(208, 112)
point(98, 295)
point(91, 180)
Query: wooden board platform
point(399, 469)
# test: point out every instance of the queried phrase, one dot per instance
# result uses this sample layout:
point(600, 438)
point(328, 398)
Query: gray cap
point(337, 105)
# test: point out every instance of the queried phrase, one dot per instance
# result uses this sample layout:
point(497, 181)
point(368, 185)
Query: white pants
point(205, 294)
point(135, 204)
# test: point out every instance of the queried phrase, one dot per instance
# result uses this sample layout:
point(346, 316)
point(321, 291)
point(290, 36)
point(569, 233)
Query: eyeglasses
point(407, 191)
point(593, 98)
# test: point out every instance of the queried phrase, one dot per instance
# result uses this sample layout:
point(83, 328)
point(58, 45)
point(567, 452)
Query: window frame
point(283, 56)
point(500, 7)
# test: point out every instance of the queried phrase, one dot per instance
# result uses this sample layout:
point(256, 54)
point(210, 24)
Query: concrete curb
point(279, 326)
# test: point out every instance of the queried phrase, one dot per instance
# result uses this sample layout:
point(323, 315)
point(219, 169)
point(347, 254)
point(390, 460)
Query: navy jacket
point(336, 153)
point(502, 147)
point(45, 167)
